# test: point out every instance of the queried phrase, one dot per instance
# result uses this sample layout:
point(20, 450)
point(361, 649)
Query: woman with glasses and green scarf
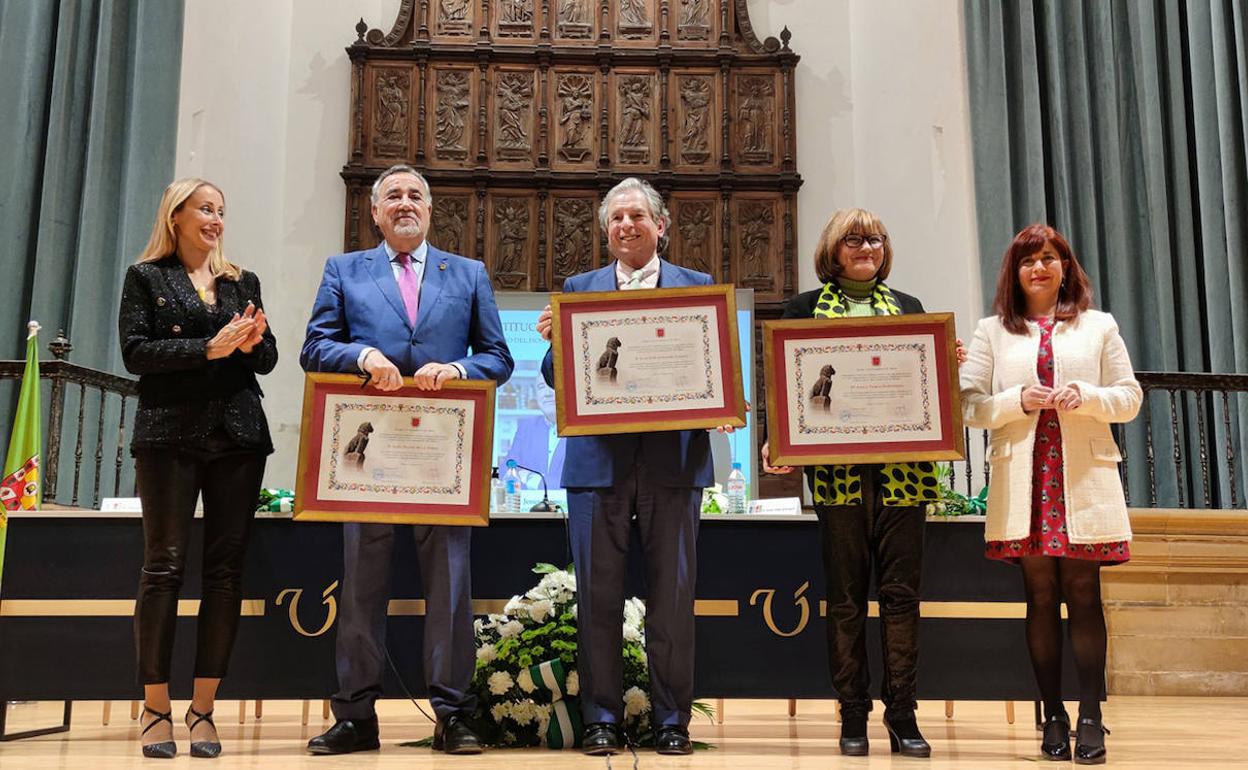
point(871, 517)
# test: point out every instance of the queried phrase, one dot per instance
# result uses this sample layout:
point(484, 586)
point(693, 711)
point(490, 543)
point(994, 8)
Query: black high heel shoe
point(164, 749)
point(1090, 742)
point(904, 738)
point(1056, 742)
point(203, 749)
point(853, 741)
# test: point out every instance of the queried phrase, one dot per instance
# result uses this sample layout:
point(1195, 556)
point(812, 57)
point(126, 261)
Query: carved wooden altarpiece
point(523, 113)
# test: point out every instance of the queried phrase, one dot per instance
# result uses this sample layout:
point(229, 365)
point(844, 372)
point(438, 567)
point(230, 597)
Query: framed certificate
point(646, 360)
point(862, 390)
point(408, 456)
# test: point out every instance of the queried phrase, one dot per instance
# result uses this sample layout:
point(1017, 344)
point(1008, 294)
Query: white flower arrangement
point(515, 704)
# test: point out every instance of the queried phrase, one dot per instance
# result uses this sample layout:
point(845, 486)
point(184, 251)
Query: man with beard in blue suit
point(404, 309)
point(657, 478)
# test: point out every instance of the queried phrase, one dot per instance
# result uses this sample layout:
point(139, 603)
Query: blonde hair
point(164, 241)
point(849, 222)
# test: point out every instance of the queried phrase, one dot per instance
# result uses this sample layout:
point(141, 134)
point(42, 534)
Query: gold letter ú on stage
point(798, 599)
point(326, 598)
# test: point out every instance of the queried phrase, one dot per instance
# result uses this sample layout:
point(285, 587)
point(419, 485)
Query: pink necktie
point(409, 286)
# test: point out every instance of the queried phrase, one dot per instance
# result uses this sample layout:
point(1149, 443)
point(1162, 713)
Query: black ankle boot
point(1056, 742)
point(904, 738)
point(854, 735)
point(1090, 742)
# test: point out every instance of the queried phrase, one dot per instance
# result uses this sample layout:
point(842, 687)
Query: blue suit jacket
point(358, 305)
point(677, 458)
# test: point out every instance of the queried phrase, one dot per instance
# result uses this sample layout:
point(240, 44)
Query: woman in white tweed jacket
point(1047, 375)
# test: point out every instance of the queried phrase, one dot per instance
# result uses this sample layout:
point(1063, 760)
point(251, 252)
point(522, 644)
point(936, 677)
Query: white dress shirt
point(418, 259)
point(649, 274)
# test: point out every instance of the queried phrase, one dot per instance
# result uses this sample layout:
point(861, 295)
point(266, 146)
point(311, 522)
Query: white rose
point(542, 716)
point(525, 681)
point(636, 702)
point(632, 634)
point(486, 653)
point(510, 628)
point(540, 610)
point(573, 685)
point(500, 682)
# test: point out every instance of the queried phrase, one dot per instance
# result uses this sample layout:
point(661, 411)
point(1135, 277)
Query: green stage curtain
point(1123, 123)
point(88, 134)
point(89, 130)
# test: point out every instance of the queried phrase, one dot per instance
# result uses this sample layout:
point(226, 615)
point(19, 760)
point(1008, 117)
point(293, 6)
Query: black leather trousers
point(858, 539)
point(169, 483)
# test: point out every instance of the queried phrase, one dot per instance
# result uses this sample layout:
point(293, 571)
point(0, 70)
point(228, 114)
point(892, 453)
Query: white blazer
point(1088, 353)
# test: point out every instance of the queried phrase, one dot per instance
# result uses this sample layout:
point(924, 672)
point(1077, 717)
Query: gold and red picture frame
point(407, 456)
point(646, 360)
point(862, 390)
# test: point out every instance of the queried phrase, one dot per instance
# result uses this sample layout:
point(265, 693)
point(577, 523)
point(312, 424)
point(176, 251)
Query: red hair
point(1073, 297)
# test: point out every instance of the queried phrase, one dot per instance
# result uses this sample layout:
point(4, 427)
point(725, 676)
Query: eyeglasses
point(1046, 261)
point(856, 241)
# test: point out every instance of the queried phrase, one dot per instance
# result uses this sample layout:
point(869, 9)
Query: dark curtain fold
point(88, 136)
point(89, 132)
point(1124, 125)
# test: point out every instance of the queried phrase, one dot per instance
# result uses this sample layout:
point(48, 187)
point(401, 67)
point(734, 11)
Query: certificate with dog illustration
point(862, 390)
point(407, 456)
point(646, 360)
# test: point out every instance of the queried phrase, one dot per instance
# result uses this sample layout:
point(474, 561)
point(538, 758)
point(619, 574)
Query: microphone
point(545, 506)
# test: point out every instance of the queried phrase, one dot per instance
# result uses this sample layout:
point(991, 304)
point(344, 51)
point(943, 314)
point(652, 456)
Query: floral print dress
point(1048, 495)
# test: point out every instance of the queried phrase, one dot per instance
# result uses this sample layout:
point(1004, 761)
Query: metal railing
point(102, 400)
point(1191, 434)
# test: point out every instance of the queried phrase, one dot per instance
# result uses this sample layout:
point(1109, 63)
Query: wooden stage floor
point(1148, 732)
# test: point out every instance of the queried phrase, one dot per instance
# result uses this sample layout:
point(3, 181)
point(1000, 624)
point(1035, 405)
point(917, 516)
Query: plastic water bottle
point(511, 488)
point(497, 496)
point(736, 490)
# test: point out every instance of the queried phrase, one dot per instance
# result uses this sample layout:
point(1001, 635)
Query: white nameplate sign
point(782, 506)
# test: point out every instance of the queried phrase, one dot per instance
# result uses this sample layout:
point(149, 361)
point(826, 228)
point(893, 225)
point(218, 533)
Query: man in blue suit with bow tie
point(402, 309)
point(657, 478)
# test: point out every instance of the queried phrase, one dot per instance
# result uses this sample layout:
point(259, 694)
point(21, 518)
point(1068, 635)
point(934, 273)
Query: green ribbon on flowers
point(978, 505)
point(276, 500)
point(565, 728)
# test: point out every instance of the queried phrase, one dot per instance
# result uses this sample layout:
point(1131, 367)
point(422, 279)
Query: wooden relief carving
point(694, 21)
point(635, 98)
point(635, 19)
point(695, 230)
point(450, 229)
point(755, 118)
point(452, 91)
point(574, 19)
point(573, 246)
point(693, 139)
point(758, 242)
point(515, 18)
point(391, 114)
point(454, 18)
point(513, 115)
point(512, 228)
point(574, 116)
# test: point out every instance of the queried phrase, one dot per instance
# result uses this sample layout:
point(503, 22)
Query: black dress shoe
point(1090, 742)
point(854, 736)
point(346, 736)
point(1056, 742)
point(673, 740)
point(904, 738)
point(454, 736)
point(601, 738)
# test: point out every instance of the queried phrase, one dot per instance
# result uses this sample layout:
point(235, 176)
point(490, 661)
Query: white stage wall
point(881, 115)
